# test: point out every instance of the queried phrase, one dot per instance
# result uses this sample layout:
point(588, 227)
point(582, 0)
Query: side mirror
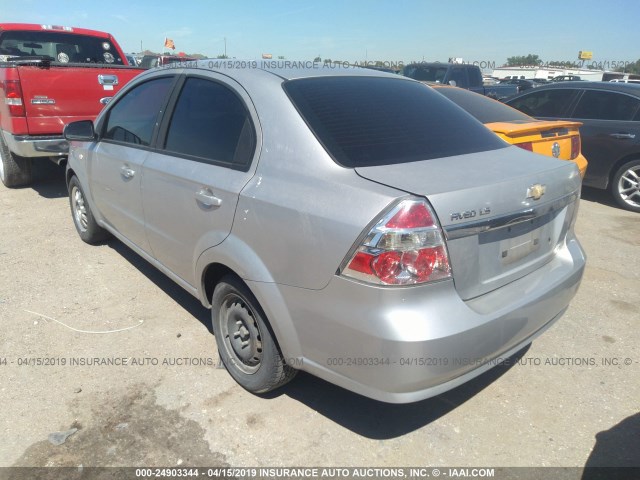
point(453, 83)
point(81, 131)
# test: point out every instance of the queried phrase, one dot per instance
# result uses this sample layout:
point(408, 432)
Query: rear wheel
point(625, 186)
point(83, 219)
point(15, 171)
point(246, 345)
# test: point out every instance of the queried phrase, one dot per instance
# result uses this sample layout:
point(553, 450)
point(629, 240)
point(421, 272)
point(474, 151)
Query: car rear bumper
point(36, 145)
point(582, 164)
point(402, 345)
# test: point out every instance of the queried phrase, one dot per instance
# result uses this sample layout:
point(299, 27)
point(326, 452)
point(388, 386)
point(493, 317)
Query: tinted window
point(606, 106)
point(544, 103)
point(367, 121)
point(59, 47)
point(483, 108)
point(425, 73)
point(212, 123)
point(133, 118)
point(459, 75)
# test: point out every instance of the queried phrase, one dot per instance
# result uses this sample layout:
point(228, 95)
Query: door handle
point(207, 198)
point(127, 172)
point(108, 79)
point(623, 135)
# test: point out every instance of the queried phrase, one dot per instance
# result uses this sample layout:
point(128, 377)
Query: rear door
point(115, 169)
point(610, 131)
point(192, 182)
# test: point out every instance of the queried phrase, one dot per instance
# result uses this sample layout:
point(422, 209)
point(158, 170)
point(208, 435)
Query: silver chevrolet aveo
point(353, 224)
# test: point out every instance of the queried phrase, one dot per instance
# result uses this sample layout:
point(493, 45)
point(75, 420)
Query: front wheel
point(83, 219)
point(246, 345)
point(15, 171)
point(625, 186)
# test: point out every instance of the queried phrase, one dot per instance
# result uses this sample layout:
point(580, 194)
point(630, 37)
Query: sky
point(356, 30)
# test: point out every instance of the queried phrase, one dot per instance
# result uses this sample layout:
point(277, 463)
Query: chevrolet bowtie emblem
point(536, 191)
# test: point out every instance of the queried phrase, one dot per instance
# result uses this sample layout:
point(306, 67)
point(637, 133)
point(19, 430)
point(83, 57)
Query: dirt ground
point(572, 399)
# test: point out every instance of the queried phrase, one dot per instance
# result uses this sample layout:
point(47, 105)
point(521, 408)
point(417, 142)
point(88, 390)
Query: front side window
point(133, 119)
point(210, 122)
point(546, 103)
point(606, 106)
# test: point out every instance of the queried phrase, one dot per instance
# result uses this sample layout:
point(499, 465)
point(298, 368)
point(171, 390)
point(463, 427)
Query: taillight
point(13, 97)
point(575, 146)
point(405, 247)
point(525, 146)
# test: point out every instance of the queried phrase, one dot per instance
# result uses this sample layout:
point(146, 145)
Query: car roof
point(285, 69)
point(52, 28)
point(611, 86)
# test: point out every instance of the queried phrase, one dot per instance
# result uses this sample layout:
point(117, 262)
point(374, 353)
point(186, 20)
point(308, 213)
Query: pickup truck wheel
point(83, 219)
point(245, 342)
point(15, 171)
point(625, 186)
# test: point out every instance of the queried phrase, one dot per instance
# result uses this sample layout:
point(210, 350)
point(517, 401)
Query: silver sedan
point(350, 223)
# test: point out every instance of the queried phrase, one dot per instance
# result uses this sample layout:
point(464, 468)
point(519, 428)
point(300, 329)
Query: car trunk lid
point(545, 137)
point(504, 211)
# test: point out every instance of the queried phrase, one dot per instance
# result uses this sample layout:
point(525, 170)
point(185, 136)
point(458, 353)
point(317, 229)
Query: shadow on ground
point(616, 454)
point(176, 292)
point(603, 197)
point(378, 420)
point(48, 179)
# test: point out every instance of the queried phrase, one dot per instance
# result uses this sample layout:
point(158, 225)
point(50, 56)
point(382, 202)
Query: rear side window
point(425, 73)
point(368, 121)
point(133, 119)
point(545, 103)
point(59, 47)
point(211, 123)
point(484, 109)
point(606, 106)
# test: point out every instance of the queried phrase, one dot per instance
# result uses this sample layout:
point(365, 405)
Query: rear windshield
point(59, 47)
point(484, 109)
point(369, 121)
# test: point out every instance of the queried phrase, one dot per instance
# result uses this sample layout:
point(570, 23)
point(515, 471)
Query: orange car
point(558, 138)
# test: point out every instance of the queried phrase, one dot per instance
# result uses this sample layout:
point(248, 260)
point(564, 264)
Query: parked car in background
point(461, 75)
point(152, 61)
point(350, 223)
point(566, 78)
point(610, 114)
point(51, 75)
point(131, 60)
point(553, 138)
point(520, 83)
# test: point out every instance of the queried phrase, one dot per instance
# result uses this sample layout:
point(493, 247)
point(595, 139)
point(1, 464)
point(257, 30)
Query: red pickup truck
point(50, 76)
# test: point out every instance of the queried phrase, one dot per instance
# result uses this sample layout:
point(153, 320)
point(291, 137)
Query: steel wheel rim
point(2, 169)
point(241, 334)
point(629, 186)
point(79, 209)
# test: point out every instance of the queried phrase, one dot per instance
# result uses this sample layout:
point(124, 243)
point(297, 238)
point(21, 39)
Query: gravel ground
point(572, 398)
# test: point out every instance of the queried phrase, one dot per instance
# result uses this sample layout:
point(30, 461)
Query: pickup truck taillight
point(405, 247)
point(13, 97)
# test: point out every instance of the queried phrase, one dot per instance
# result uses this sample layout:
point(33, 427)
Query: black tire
point(15, 171)
point(246, 344)
point(625, 186)
point(83, 219)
